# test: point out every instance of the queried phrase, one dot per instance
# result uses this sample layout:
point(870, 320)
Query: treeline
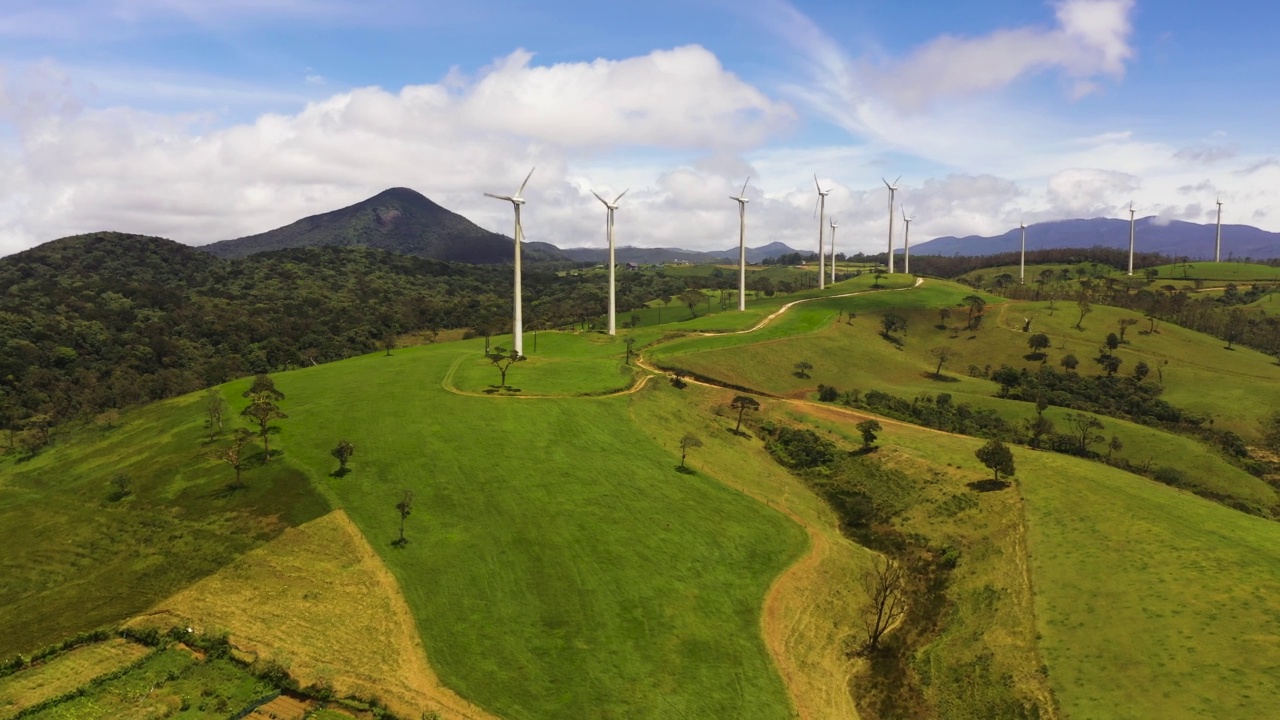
point(100, 322)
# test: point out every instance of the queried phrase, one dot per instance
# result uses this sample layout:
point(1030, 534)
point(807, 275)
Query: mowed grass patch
point(557, 565)
point(65, 673)
point(1152, 603)
point(78, 559)
point(318, 601)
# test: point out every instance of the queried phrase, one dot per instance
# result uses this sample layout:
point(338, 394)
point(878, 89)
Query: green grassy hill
point(559, 566)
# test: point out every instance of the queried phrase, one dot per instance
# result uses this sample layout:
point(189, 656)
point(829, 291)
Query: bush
point(827, 393)
point(1170, 476)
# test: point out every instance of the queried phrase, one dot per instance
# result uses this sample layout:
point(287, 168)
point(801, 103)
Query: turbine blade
point(508, 198)
point(624, 192)
point(606, 203)
point(895, 181)
point(815, 183)
point(815, 205)
point(526, 182)
point(886, 183)
point(744, 187)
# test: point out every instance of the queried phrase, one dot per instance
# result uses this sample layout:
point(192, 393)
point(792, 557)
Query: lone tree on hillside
point(404, 506)
point(343, 453)
point(878, 273)
point(233, 454)
point(869, 428)
point(892, 323)
point(802, 369)
point(1082, 304)
point(503, 359)
point(1038, 344)
point(215, 408)
point(997, 457)
point(261, 411)
point(976, 307)
point(630, 343)
point(885, 584)
point(943, 355)
point(263, 385)
point(1083, 427)
point(1069, 361)
point(1126, 323)
point(687, 443)
point(691, 298)
point(742, 404)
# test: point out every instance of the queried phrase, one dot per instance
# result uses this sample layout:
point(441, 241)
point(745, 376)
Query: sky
point(203, 121)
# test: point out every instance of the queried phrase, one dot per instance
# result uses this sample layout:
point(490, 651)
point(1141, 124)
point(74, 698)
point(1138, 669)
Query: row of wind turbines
point(516, 200)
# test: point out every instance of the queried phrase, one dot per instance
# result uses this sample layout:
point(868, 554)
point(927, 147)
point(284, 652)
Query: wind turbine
point(833, 250)
point(893, 189)
point(822, 211)
point(906, 241)
point(1131, 211)
point(1022, 260)
point(613, 298)
point(742, 245)
point(1217, 243)
point(517, 319)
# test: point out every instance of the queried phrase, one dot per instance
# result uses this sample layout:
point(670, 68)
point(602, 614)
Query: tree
point(503, 359)
point(389, 342)
point(942, 354)
point(122, 487)
point(869, 428)
point(1115, 446)
point(997, 457)
point(1234, 328)
point(215, 408)
point(343, 453)
point(878, 273)
point(885, 584)
point(1124, 324)
point(233, 454)
point(404, 506)
point(1008, 379)
point(944, 314)
point(1069, 361)
point(263, 385)
point(1110, 363)
point(802, 369)
point(976, 306)
point(687, 443)
point(1083, 427)
point(1039, 343)
point(1141, 371)
point(1112, 342)
point(892, 323)
point(261, 411)
point(743, 403)
point(1082, 304)
point(691, 298)
point(630, 343)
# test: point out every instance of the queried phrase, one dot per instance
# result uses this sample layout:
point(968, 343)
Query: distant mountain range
point(1151, 235)
point(398, 220)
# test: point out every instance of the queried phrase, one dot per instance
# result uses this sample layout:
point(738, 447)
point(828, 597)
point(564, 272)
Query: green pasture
point(558, 565)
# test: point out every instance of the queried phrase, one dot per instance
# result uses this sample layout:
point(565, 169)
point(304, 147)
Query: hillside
point(1151, 235)
point(398, 220)
point(648, 256)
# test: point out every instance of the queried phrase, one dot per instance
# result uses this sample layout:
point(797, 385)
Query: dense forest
point(99, 322)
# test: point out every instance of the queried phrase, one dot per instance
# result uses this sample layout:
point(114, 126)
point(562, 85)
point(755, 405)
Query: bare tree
point(1082, 428)
point(1082, 304)
point(233, 455)
point(942, 354)
point(688, 442)
point(215, 407)
point(885, 584)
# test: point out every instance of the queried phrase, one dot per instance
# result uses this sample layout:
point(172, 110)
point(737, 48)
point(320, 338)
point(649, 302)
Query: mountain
point(1173, 238)
point(399, 220)
point(645, 256)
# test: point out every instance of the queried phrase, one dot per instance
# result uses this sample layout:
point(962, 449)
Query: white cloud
point(77, 170)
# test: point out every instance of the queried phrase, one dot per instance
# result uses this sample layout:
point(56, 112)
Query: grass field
point(65, 673)
point(77, 560)
point(546, 583)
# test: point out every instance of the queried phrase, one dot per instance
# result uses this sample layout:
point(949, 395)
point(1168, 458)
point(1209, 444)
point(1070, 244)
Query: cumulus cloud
point(79, 169)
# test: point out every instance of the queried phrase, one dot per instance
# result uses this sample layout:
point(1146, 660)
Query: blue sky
point(202, 121)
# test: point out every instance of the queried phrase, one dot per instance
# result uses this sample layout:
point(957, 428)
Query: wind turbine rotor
point(526, 182)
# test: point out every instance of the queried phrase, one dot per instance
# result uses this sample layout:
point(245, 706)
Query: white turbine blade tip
point(526, 182)
point(593, 192)
point(624, 192)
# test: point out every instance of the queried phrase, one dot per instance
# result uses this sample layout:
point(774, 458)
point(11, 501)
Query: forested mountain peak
point(398, 220)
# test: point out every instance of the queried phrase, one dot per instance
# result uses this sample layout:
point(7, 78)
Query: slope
point(398, 220)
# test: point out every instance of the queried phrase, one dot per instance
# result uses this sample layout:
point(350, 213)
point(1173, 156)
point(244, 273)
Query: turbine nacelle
point(515, 199)
point(611, 205)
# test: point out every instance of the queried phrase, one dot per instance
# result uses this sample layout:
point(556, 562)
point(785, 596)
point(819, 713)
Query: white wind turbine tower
point(833, 250)
point(893, 189)
point(1022, 259)
point(1131, 211)
point(613, 288)
point(742, 245)
point(517, 318)
point(1217, 243)
point(906, 242)
point(822, 211)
